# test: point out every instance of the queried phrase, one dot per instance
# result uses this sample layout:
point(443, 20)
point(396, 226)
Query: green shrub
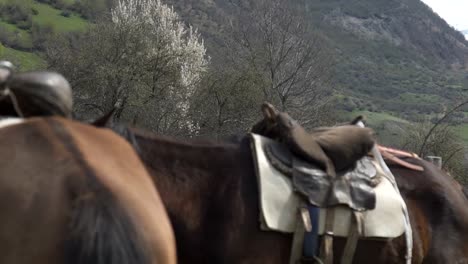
point(65, 13)
point(40, 34)
point(17, 13)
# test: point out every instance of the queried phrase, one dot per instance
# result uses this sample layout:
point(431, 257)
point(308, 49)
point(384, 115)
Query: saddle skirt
point(279, 201)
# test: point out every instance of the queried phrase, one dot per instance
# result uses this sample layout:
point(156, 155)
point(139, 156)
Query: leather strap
point(401, 162)
point(355, 230)
point(326, 253)
point(298, 239)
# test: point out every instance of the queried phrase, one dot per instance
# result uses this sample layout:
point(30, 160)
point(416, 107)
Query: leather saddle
point(330, 167)
point(332, 148)
point(327, 164)
point(353, 187)
point(36, 93)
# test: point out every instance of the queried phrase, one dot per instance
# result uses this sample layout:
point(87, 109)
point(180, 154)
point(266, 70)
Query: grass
point(419, 98)
point(23, 60)
point(23, 35)
point(48, 15)
point(374, 118)
point(462, 132)
point(388, 127)
point(69, 2)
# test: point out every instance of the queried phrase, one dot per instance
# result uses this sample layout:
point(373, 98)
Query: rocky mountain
point(395, 56)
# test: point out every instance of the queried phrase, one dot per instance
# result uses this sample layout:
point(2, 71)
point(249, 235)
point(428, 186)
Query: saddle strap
point(355, 230)
point(326, 253)
point(299, 234)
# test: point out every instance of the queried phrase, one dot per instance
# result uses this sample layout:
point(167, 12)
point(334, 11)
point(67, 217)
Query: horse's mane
point(133, 135)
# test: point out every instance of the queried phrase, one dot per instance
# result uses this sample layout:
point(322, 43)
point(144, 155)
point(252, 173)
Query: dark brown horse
point(438, 212)
point(73, 193)
point(210, 191)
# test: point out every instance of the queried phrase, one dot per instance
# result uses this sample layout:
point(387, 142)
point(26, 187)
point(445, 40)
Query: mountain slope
point(25, 24)
point(396, 56)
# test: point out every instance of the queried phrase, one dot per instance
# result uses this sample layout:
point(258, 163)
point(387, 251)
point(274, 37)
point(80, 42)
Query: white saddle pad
point(279, 203)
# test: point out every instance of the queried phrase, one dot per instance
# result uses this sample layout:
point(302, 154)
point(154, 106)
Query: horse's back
point(73, 193)
point(117, 165)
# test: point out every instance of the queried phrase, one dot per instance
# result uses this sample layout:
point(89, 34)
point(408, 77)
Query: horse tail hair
point(100, 230)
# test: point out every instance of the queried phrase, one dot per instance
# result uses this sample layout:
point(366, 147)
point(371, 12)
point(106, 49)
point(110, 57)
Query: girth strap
point(326, 252)
point(355, 230)
point(298, 239)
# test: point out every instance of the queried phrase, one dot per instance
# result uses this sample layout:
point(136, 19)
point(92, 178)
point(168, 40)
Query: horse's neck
point(197, 182)
point(184, 169)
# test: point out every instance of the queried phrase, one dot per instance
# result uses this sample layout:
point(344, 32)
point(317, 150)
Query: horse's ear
point(104, 120)
point(269, 111)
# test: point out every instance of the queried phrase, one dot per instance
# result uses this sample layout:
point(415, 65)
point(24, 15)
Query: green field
point(462, 132)
point(45, 15)
point(419, 98)
point(24, 36)
point(48, 15)
point(374, 118)
point(22, 60)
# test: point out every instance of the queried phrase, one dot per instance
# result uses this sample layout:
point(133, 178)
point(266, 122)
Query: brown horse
point(73, 193)
point(438, 212)
point(210, 191)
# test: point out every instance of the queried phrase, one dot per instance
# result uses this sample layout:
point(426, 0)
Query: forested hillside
point(396, 56)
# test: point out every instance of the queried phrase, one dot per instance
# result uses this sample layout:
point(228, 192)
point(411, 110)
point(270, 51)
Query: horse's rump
point(76, 194)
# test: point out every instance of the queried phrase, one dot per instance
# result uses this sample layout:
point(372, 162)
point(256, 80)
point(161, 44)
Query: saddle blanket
point(279, 203)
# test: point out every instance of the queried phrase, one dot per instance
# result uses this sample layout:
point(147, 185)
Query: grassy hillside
point(22, 29)
point(48, 15)
point(21, 59)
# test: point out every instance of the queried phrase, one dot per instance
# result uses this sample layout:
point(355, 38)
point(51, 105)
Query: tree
point(225, 104)
point(438, 139)
point(294, 63)
point(143, 61)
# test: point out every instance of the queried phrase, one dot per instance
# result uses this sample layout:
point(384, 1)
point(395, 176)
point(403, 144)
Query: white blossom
point(166, 34)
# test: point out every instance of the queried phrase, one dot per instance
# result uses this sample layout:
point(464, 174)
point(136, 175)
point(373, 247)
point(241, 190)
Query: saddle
point(353, 188)
point(285, 204)
point(332, 148)
point(37, 93)
point(329, 168)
